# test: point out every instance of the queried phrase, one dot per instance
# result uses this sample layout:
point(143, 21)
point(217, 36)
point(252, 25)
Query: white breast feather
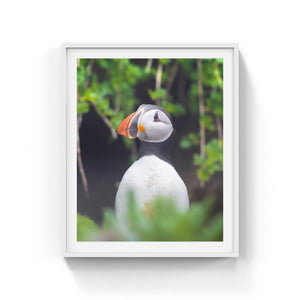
point(148, 178)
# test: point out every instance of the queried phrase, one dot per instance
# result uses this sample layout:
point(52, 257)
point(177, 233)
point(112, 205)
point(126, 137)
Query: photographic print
point(149, 151)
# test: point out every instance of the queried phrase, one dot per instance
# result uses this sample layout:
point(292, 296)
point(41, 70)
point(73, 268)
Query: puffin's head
point(150, 123)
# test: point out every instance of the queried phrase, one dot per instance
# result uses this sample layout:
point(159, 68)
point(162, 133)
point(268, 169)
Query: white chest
point(148, 178)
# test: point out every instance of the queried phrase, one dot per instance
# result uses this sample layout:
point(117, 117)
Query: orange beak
point(125, 125)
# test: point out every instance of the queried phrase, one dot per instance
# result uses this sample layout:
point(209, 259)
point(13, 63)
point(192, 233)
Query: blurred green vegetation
point(86, 228)
point(165, 223)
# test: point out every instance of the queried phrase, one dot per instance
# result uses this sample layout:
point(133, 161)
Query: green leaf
point(104, 63)
point(212, 162)
point(175, 109)
point(82, 107)
point(192, 139)
point(164, 61)
point(90, 95)
point(203, 174)
point(198, 159)
point(157, 94)
point(103, 104)
point(87, 230)
point(185, 143)
point(116, 120)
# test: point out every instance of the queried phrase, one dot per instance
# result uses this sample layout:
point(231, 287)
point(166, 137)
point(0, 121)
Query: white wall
point(32, 145)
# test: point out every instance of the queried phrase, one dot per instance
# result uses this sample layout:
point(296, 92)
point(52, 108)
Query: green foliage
point(189, 65)
point(212, 81)
point(166, 223)
point(210, 163)
point(164, 61)
point(175, 109)
point(82, 107)
point(170, 224)
point(207, 122)
point(157, 94)
point(192, 139)
point(87, 230)
point(112, 91)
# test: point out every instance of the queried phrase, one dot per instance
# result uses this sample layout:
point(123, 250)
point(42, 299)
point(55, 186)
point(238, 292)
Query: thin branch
point(158, 80)
point(158, 75)
point(89, 67)
point(171, 78)
point(149, 64)
point(201, 111)
point(79, 159)
point(107, 122)
point(181, 88)
point(109, 125)
point(201, 107)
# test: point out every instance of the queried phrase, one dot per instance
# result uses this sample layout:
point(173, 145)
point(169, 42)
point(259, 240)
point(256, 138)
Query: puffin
point(153, 174)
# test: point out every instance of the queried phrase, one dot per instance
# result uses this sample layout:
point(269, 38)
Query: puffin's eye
point(156, 117)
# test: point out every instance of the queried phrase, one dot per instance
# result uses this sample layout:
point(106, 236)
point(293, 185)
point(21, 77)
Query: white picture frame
point(229, 247)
